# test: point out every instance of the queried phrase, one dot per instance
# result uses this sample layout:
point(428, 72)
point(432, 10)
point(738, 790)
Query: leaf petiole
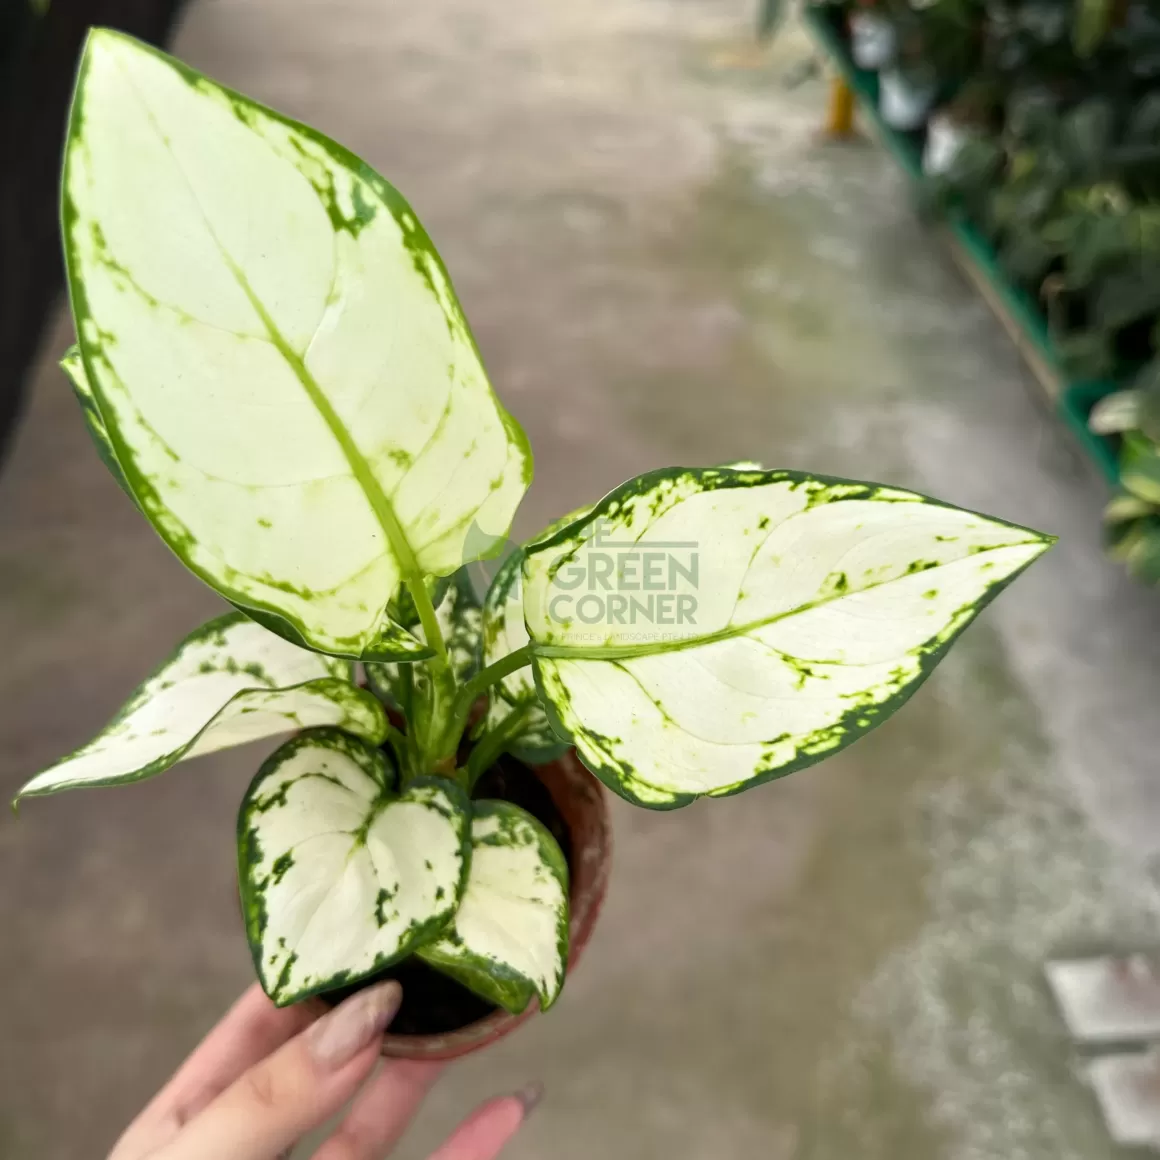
point(398, 743)
point(493, 743)
point(485, 678)
point(432, 633)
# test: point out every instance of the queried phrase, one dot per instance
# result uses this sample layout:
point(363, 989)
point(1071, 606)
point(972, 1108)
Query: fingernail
point(530, 1096)
point(342, 1033)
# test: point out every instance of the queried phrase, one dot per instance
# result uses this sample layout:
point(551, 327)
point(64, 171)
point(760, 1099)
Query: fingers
point(484, 1133)
point(381, 1112)
point(250, 1031)
point(307, 1080)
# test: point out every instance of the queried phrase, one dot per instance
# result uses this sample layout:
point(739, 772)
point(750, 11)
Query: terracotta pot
point(583, 804)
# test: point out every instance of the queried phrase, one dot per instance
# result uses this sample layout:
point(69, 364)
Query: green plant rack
point(1017, 311)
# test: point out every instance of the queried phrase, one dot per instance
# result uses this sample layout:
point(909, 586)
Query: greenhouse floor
point(663, 264)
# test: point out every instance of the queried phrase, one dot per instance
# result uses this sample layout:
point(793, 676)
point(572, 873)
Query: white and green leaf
point(1140, 466)
point(530, 737)
point(514, 708)
point(1117, 412)
point(228, 265)
point(704, 630)
point(460, 624)
point(513, 703)
point(229, 682)
point(342, 874)
point(74, 367)
point(509, 939)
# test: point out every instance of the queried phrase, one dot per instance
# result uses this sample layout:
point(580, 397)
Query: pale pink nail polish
point(342, 1033)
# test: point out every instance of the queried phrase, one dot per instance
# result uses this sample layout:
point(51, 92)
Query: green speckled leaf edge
point(390, 643)
point(379, 767)
point(361, 713)
point(395, 641)
point(74, 368)
point(856, 723)
point(499, 982)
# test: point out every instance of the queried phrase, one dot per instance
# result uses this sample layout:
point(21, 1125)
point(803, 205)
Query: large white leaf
point(73, 366)
point(340, 874)
point(704, 630)
point(509, 940)
point(276, 352)
point(229, 682)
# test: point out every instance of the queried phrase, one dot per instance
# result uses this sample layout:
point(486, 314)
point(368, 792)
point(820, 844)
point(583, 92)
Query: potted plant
point(272, 362)
point(909, 87)
point(1132, 517)
point(873, 39)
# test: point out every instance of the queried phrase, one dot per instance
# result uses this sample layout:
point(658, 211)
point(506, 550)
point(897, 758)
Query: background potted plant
point(968, 118)
point(272, 362)
point(873, 36)
point(1132, 517)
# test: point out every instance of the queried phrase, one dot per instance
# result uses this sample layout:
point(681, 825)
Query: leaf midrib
point(628, 651)
point(377, 498)
point(372, 489)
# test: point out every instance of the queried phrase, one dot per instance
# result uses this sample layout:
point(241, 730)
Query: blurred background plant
point(1132, 518)
point(1045, 134)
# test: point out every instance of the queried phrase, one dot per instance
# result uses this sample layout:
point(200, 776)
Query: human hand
point(264, 1077)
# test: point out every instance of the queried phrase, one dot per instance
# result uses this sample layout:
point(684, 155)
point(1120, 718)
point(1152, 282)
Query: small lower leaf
point(340, 875)
point(509, 941)
point(229, 682)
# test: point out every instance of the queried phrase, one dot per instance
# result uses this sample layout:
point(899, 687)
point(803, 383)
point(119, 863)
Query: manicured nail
point(342, 1033)
point(529, 1096)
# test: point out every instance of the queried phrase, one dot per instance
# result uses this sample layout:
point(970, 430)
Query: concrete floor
point(662, 264)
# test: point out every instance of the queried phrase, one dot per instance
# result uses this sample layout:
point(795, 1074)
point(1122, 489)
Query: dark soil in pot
point(433, 1003)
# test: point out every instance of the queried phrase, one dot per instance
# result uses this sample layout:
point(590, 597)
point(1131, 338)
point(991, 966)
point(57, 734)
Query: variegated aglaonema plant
point(273, 364)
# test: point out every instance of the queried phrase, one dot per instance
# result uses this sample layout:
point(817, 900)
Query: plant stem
point(452, 709)
point(427, 618)
point(492, 744)
point(398, 744)
point(485, 678)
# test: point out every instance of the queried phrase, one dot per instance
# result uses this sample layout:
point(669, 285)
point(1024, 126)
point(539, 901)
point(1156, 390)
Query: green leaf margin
point(856, 722)
point(378, 765)
point(486, 977)
point(416, 240)
point(326, 685)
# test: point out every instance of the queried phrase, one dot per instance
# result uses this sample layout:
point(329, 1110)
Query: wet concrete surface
point(662, 264)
